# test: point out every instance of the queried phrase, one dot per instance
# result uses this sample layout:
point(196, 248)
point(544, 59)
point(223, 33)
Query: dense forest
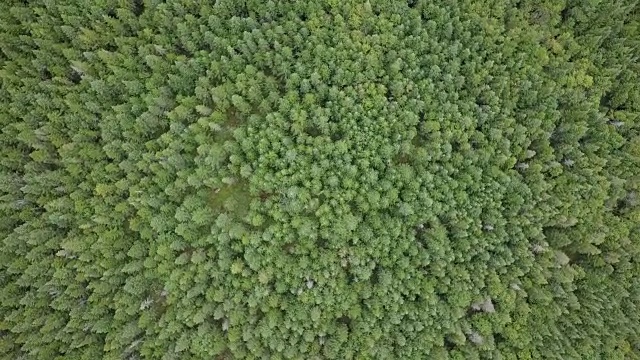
point(328, 179)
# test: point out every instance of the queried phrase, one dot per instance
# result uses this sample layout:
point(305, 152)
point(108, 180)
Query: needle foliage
point(319, 179)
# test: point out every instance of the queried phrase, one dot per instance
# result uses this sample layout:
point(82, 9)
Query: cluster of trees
point(322, 179)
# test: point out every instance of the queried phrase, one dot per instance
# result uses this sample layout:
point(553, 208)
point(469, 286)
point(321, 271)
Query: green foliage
point(323, 179)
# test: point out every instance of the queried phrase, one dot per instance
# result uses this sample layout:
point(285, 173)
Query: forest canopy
point(377, 179)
